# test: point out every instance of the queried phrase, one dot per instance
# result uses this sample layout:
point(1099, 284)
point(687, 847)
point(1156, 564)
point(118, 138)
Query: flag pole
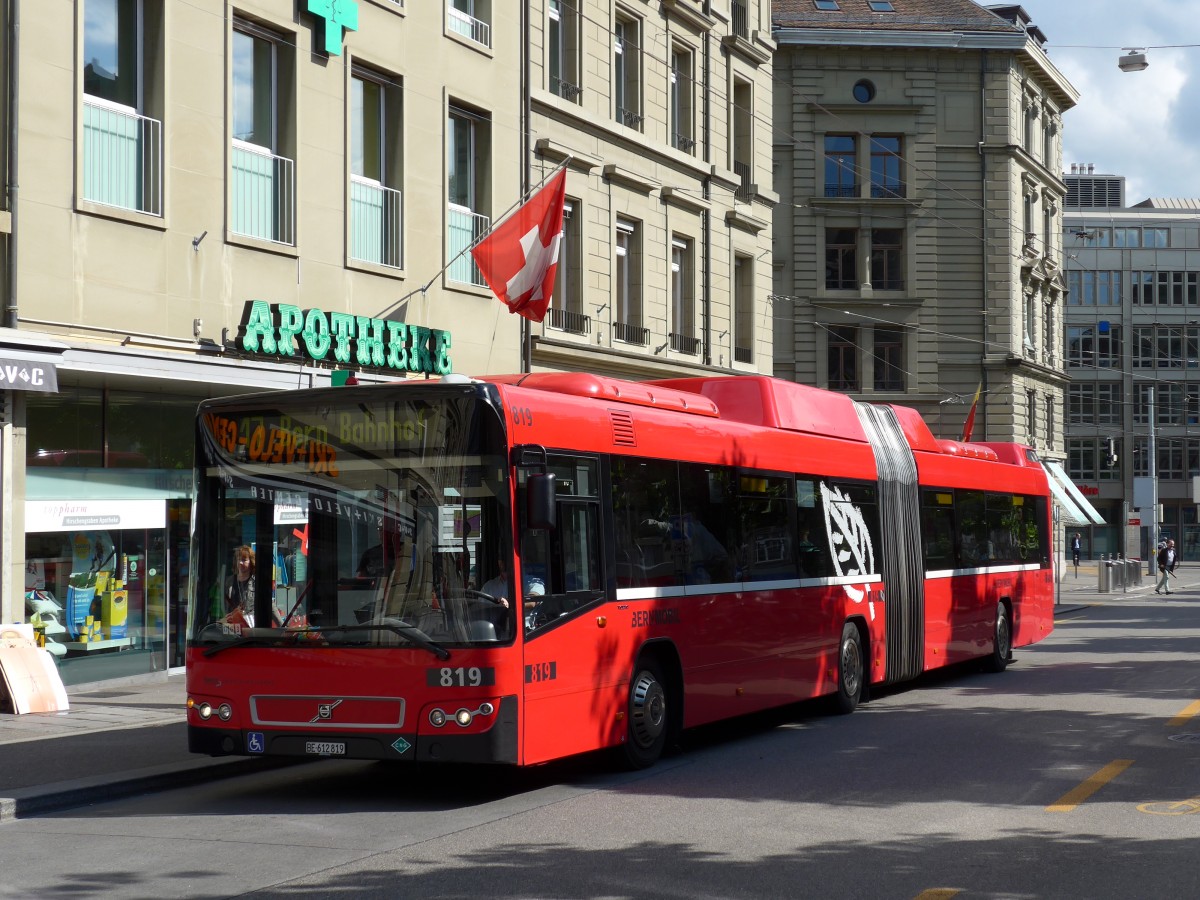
point(492, 227)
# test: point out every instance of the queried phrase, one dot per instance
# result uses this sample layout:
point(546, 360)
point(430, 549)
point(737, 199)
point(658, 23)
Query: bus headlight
point(463, 717)
point(437, 718)
point(205, 710)
point(224, 712)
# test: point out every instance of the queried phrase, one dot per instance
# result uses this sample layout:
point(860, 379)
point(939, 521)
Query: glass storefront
point(108, 488)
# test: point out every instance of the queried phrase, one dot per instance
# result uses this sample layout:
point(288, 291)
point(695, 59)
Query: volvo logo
point(324, 711)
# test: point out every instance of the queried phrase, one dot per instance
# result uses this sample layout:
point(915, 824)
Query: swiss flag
point(520, 257)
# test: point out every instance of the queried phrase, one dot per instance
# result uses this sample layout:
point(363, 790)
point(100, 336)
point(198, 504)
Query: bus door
point(569, 650)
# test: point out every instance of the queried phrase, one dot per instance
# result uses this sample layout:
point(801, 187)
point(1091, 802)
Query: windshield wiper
point(403, 629)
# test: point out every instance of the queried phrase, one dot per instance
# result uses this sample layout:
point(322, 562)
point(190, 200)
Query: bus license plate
point(325, 748)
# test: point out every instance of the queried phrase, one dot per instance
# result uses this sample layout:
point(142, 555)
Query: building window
point(743, 309)
point(889, 358)
point(122, 146)
point(626, 72)
point(841, 259)
point(683, 296)
point(263, 188)
point(471, 19)
point(742, 138)
point(682, 91)
point(887, 259)
point(1088, 288)
point(881, 5)
point(829, 5)
point(566, 304)
point(841, 165)
point(563, 62)
point(1048, 401)
point(1110, 401)
point(843, 358)
point(1030, 417)
point(1087, 349)
point(1081, 459)
point(1081, 404)
point(1030, 323)
point(864, 91)
point(469, 151)
point(376, 212)
point(628, 322)
point(1127, 237)
point(1157, 237)
point(886, 179)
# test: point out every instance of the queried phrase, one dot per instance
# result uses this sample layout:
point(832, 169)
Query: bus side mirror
point(540, 496)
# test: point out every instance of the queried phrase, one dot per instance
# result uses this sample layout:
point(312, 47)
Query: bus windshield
point(357, 517)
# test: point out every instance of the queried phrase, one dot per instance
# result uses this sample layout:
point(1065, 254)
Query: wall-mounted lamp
point(197, 325)
point(1134, 60)
point(661, 348)
point(196, 240)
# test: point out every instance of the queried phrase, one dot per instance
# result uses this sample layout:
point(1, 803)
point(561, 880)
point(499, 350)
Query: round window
point(864, 91)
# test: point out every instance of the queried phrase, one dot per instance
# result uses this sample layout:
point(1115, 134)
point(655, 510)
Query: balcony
point(469, 27)
point(887, 189)
point(464, 228)
point(841, 190)
point(630, 118)
point(631, 334)
point(376, 219)
point(683, 142)
point(741, 20)
point(743, 355)
point(565, 89)
point(568, 321)
point(122, 157)
point(745, 190)
point(263, 194)
point(682, 343)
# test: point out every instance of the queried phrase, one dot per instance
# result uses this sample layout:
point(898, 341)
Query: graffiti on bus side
point(849, 540)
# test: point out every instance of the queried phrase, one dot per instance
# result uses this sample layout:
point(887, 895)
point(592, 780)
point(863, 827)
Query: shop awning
point(1075, 506)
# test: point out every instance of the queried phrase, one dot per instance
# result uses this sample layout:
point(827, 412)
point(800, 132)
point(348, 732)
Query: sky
point(1143, 125)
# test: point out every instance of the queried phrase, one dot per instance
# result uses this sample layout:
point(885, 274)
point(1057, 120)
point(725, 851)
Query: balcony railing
point(630, 118)
point(469, 27)
point(122, 157)
point(841, 190)
point(744, 192)
point(743, 354)
point(741, 19)
point(572, 322)
point(683, 142)
point(376, 217)
point(682, 343)
point(887, 189)
point(631, 334)
point(464, 229)
point(263, 194)
point(565, 89)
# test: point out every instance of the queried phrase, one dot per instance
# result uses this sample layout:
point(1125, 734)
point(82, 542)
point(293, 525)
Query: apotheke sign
point(282, 330)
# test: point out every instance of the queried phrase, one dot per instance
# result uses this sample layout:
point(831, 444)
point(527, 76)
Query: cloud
point(1138, 124)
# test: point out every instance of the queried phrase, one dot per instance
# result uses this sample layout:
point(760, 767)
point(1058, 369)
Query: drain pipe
point(14, 58)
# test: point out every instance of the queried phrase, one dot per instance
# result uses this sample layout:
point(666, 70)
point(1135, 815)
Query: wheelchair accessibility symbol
point(255, 742)
point(1171, 807)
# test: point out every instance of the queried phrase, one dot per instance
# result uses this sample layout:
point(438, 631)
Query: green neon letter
point(316, 334)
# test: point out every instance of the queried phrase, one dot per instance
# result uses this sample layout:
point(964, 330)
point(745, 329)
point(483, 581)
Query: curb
point(83, 791)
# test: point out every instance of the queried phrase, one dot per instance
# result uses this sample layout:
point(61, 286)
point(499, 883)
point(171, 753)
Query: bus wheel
point(851, 671)
point(1001, 641)
point(647, 714)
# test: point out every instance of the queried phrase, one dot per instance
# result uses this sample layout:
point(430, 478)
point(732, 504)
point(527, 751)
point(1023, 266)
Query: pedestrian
point(1076, 546)
point(1166, 565)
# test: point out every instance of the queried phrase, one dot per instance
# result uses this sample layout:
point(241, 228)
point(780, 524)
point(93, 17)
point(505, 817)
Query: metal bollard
point(1105, 573)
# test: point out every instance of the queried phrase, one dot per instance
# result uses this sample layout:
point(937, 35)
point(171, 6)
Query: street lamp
point(1134, 60)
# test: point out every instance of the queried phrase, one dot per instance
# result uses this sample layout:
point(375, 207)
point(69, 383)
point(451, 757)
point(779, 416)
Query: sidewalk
point(124, 739)
point(113, 741)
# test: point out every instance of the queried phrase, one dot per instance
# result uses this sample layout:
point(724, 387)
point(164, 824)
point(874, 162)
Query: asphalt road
point(1074, 774)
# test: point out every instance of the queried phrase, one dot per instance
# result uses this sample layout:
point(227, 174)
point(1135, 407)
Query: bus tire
point(851, 670)
point(648, 716)
point(1001, 641)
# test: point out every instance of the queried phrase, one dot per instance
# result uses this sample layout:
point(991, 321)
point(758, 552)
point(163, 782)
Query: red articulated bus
point(516, 569)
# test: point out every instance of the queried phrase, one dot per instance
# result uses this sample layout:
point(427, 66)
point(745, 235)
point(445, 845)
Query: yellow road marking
point(1171, 807)
point(1075, 796)
point(939, 894)
point(1192, 709)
